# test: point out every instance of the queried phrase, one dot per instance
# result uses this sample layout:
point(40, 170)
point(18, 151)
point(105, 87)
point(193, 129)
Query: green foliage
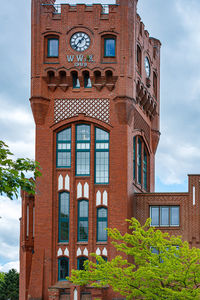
point(12, 173)
point(9, 287)
point(2, 275)
point(173, 273)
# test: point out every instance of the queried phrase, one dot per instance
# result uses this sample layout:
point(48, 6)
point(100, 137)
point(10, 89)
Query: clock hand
point(79, 42)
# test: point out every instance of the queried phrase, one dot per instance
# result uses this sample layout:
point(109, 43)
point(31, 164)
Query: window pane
point(83, 133)
point(64, 268)
point(109, 47)
point(102, 233)
point(64, 231)
point(101, 135)
point(83, 231)
point(174, 216)
point(64, 205)
point(64, 135)
point(83, 163)
point(102, 213)
point(63, 159)
point(154, 216)
point(102, 162)
point(83, 209)
point(164, 220)
point(139, 161)
point(87, 81)
point(76, 82)
point(81, 263)
point(53, 47)
point(134, 158)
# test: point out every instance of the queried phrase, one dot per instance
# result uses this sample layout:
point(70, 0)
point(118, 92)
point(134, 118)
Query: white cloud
point(10, 265)
point(10, 212)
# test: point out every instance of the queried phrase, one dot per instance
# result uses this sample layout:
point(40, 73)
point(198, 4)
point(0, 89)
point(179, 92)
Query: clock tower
point(95, 77)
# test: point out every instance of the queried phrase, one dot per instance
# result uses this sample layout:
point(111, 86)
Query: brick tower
point(95, 100)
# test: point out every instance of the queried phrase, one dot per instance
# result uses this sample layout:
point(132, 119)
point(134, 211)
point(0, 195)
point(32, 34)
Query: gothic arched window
point(63, 268)
point(82, 220)
point(140, 162)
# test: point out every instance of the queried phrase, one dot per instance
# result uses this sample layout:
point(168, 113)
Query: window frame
point(101, 150)
point(82, 150)
point(102, 219)
point(75, 86)
point(65, 220)
point(83, 219)
point(141, 161)
point(59, 262)
point(49, 39)
point(105, 40)
point(78, 261)
point(67, 142)
point(169, 215)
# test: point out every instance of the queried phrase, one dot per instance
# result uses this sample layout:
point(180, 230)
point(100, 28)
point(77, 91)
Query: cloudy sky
point(176, 23)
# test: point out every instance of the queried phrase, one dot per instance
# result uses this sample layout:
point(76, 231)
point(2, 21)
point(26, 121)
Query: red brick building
point(95, 97)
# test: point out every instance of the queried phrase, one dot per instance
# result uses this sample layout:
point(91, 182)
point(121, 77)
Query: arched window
point(64, 148)
point(139, 59)
point(102, 224)
point(101, 156)
point(75, 80)
point(83, 150)
point(63, 268)
point(83, 220)
point(87, 80)
point(63, 217)
point(155, 85)
point(140, 162)
point(80, 262)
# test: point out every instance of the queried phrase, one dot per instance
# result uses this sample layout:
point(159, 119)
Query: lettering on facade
point(80, 60)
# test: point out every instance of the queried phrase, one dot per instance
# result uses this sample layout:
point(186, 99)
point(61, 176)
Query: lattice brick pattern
point(95, 108)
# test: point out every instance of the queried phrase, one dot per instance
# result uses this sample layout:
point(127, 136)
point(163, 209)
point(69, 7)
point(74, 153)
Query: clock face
point(147, 66)
point(80, 41)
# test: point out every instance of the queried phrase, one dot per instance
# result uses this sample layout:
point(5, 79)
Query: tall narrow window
point(80, 262)
point(27, 220)
point(82, 220)
point(52, 47)
point(64, 148)
point(75, 80)
point(101, 224)
point(139, 161)
point(134, 155)
point(155, 85)
point(63, 217)
point(101, 156)
point(109, 47)
point(145, 169)
point(63, 268)
point(139, 59)
point(83, 150)
point(87, 80)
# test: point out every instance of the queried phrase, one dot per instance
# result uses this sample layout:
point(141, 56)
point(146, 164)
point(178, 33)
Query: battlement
point(57, 9)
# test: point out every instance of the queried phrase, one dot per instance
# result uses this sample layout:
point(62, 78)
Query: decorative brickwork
point(139, 123)
point(95, 108)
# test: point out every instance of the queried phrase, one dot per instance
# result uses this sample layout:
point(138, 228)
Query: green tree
point(159, 266)
point(2, 275)
point(12, 173)
point(9, 287)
